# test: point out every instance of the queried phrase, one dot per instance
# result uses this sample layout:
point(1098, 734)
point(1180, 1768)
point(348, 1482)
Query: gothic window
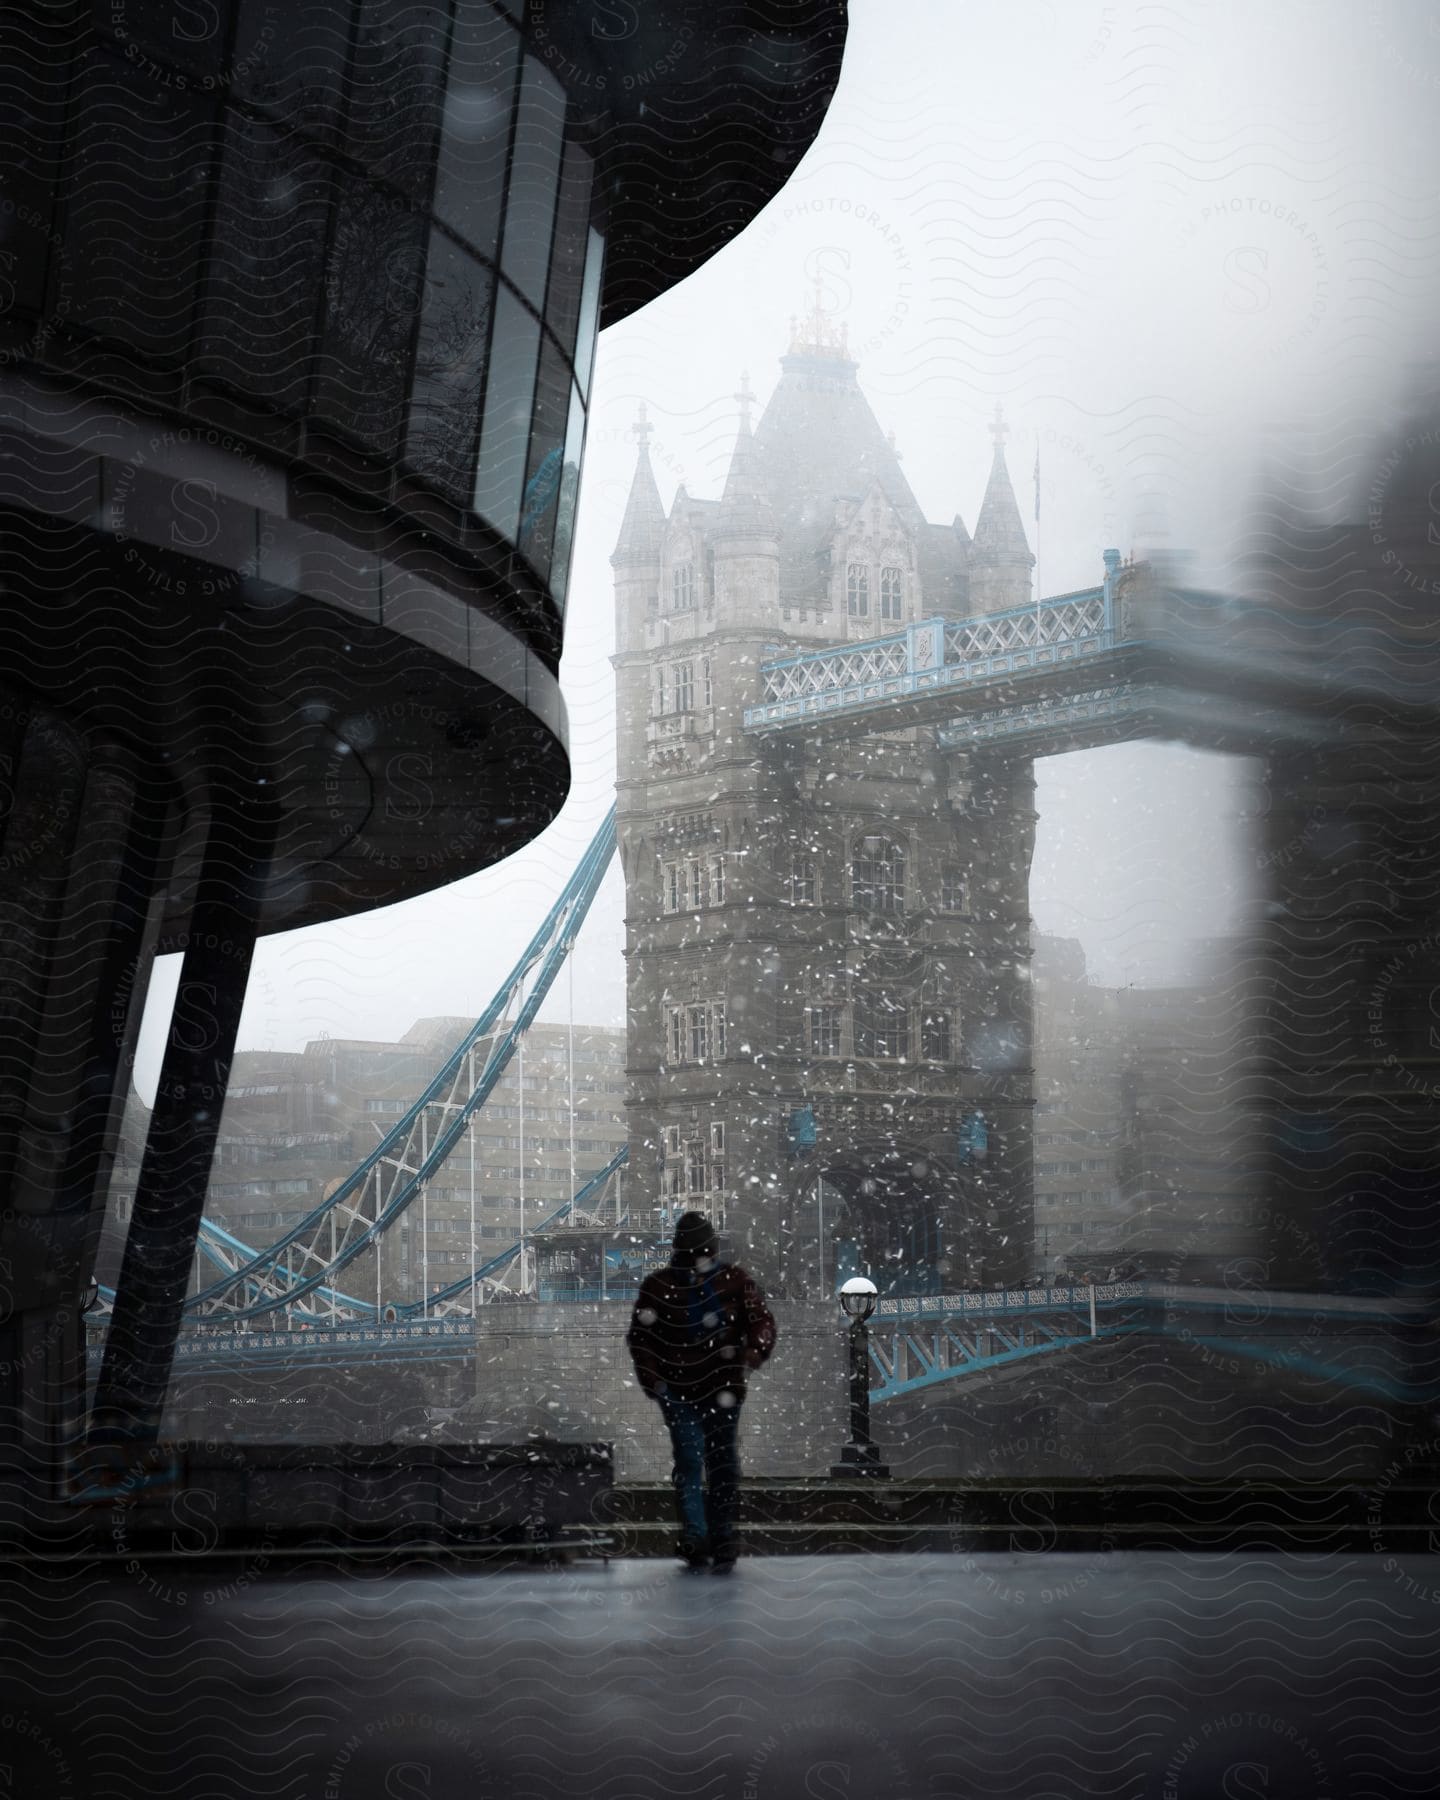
point(935, 1036)
point(696, 1033)
point(682, 687)
point(857, 591)
point(707, 686)
point(882, 1026)
point(822, 1030)
point(952, 888)
point(802, 883)
point(892, 594)
point(682, 588)
point(877, 876)
point(688, 886)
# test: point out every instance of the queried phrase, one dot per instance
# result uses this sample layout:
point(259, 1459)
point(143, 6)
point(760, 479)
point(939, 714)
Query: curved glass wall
point(363, 240)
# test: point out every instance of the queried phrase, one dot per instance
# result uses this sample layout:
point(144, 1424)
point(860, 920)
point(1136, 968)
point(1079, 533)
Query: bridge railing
point(1009, 1300)
point(935, 653)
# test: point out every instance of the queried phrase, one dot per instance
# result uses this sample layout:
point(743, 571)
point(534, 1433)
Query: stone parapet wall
point(564, 1371)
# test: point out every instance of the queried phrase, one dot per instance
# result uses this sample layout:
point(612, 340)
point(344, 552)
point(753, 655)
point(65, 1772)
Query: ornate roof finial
point(746, 400)
point(642, 427)
point(999, 430)
point(819, 333)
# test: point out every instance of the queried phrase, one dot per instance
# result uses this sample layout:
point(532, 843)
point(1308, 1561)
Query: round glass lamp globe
point(858, 1296)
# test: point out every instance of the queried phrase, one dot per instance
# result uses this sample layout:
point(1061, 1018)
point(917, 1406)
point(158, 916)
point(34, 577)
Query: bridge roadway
point(1137, 656)
point(921, 1341)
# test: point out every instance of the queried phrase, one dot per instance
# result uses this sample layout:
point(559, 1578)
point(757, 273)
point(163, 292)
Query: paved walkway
point(842, 1678)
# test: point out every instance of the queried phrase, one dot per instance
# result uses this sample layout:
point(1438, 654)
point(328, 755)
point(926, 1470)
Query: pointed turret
point(640, 548)
point(745, 509)
point(1001, 560)
point(642, 530)
point(746, 538)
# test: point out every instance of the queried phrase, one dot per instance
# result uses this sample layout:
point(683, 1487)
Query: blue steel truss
point(920, 1343)
point(933, 655)
point(353, 1220)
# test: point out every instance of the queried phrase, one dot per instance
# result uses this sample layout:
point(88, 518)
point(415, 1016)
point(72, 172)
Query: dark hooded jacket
point(696, 1335)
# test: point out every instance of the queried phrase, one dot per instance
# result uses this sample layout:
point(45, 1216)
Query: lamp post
point(859, 1456)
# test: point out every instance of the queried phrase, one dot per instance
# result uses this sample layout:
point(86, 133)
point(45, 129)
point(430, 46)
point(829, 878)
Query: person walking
point(699, 1328)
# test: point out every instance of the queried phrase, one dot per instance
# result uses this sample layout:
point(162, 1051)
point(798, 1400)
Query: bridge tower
point(827, 942)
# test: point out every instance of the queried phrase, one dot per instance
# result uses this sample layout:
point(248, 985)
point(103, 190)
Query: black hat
point(694, 1234)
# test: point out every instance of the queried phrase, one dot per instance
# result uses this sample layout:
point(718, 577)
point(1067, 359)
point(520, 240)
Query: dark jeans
point(702, 1435)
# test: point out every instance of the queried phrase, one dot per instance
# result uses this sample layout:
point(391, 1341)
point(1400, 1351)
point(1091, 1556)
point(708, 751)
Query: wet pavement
point(840, 1677)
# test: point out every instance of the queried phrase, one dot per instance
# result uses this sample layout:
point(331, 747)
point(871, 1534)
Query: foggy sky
point(1188, 246)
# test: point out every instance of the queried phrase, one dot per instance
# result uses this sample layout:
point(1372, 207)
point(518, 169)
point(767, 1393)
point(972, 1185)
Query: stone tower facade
point(827, 944)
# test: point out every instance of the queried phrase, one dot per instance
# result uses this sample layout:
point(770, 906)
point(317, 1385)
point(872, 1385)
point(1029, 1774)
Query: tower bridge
point(825, 830)
point(828, 713)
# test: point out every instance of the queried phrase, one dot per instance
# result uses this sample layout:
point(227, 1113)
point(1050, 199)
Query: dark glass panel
point(291, 60)
point(545, 469)
point(509, 395)
point(567, 259)
point(33, 110)
point(479, 108)
point(186, 38)
point(397, 75)
point(589, 310)
point(569, 493)
point(534, 180)
point(449, 367)
point(265, 266)
point(135, 227)
point(372, 288)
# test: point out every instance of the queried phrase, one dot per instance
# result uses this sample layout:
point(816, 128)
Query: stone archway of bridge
point(883, 1210)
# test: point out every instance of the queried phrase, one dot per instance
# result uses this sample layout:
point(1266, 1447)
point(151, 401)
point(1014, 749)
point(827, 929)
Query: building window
point(802, 883)
point(707, 686)
point(699, 1034)
point(822, 1030)
point(682, 588)
point(695, 1034)
point(892, 594)
point(694, 1161)
point(882, 1027)
point(857, 591)
point(682, 687)
point(691, 885)
point(952, 888)
point(877, 876)
point(935, 1037)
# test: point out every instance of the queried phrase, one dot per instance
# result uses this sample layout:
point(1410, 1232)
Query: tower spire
point(1001, 559)
point(745, 508)
point(643, 527)
point(819, 333)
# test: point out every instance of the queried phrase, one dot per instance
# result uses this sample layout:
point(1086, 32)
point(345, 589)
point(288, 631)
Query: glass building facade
point(298, 314)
